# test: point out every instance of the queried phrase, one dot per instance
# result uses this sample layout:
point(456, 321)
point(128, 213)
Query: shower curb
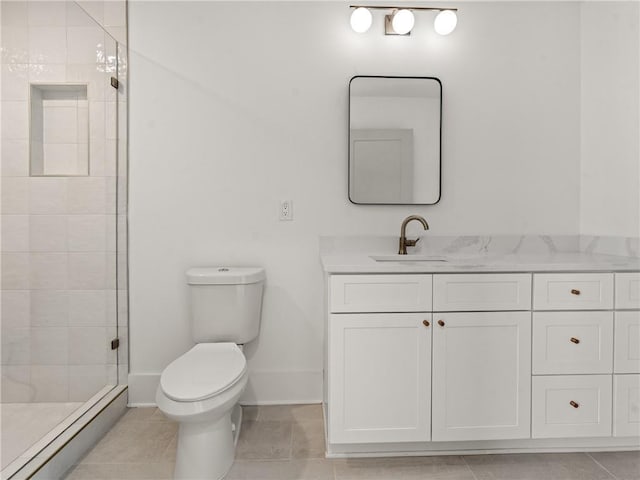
point(54, 461)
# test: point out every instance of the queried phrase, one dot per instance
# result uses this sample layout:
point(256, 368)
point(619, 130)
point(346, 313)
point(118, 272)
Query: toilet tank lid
point(224, 275)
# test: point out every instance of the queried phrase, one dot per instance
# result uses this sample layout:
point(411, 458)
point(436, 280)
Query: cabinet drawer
point(571, 406)
point(627, 342)
point(380, 293)
point(627, 290)
point(481, 292)
point(573, 291)
point(626, 405)
point(572, 342)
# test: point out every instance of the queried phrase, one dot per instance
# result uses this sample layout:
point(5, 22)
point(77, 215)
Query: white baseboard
point(264, 388)
point(142, 389)
point(279, 388)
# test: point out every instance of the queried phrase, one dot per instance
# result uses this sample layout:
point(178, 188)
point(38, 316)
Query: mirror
point(394, 140)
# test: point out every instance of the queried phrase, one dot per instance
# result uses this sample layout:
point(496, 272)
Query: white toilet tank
point(226, 303)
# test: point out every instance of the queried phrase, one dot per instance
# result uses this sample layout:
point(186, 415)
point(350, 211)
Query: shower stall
point(64, 227)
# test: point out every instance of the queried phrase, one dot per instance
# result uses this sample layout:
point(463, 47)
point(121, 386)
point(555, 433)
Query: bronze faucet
point(404, 243)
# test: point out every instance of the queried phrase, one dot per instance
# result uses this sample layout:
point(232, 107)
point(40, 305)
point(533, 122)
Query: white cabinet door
point(627, 342)
point(379, 377)
point(481, 376)
point(626, 405)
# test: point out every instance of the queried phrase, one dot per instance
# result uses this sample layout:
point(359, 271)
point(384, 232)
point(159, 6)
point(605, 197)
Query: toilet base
point(236, 422)
point(205, 450)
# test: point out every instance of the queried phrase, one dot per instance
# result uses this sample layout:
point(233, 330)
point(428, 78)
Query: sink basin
point(408, 258)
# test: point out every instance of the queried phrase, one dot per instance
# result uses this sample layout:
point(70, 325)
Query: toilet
point(200, 389)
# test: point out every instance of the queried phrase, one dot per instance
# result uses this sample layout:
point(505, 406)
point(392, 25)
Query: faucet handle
point(412, 243)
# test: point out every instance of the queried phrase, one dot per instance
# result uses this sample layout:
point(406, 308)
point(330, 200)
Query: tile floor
point(23, 424)
point(287, 443)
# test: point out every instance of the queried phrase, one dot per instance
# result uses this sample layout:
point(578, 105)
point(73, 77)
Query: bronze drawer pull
point(575, 340)
point(426, 323)
point(574, 404)
point(575, 292)
point(441, 323)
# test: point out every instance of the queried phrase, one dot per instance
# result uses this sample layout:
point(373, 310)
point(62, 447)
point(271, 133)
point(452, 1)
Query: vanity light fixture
point(401, 20)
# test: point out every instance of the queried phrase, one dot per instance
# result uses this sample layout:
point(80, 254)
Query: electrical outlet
point(286, 210)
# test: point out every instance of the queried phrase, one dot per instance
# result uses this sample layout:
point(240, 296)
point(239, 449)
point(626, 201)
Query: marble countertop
point(479, 263)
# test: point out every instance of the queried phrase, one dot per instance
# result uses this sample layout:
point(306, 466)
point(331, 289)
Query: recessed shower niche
point(59, 130)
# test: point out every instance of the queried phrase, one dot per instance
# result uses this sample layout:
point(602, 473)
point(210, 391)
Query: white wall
point(230, 117)
point(610, 121)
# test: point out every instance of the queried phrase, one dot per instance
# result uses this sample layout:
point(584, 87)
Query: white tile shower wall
point(267, 120)
point(59, 234)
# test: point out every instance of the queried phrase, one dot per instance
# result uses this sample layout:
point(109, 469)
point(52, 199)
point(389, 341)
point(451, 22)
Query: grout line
point(168, 449)
point(291, 441)
point(601, 466)
point(473, 474)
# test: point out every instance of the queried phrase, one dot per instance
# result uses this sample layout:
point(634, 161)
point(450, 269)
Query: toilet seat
point(206, 370)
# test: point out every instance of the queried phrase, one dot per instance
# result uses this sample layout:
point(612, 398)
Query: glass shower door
point(59, 235)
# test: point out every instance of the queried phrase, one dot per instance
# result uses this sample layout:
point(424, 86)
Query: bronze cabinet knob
point(426, 323)
point(574, 340)
point(441, 323)
point(574, 404)
point(575, 291)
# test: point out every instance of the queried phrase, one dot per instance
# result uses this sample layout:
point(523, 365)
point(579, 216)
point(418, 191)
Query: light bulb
point(445, 22)
point(403, 21)
point(361, 20)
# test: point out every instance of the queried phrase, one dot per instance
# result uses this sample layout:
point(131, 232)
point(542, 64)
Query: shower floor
point(23, 424)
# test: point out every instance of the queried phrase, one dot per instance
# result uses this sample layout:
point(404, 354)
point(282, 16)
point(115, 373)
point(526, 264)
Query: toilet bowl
point(199, 391)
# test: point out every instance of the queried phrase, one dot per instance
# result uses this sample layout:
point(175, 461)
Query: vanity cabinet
point(482, 361)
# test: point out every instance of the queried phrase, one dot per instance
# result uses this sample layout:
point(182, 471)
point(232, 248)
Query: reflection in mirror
point(394, 140)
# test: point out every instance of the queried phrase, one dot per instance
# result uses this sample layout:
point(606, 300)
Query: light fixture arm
point(381, 7)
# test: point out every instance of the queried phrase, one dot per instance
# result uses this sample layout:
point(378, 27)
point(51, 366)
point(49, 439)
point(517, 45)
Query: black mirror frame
point(349, 141)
